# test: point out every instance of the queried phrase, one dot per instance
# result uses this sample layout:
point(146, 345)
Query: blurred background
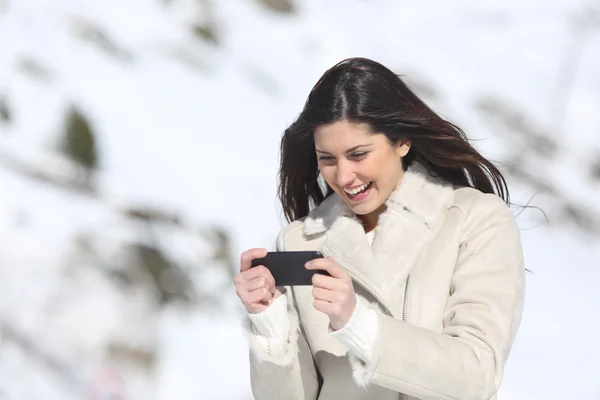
point(139, 145)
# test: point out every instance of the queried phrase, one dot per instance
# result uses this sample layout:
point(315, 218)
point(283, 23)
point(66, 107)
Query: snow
point(202, 137)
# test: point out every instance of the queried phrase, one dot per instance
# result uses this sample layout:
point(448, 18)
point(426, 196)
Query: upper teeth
point(356, 189)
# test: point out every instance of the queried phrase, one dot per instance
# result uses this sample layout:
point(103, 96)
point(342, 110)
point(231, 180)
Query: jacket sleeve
point(466, 360)
point(291, 375)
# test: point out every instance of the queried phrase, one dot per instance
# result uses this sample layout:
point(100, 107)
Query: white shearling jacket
point(445, 274)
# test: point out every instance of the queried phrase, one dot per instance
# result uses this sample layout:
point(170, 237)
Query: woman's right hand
point(255, 286)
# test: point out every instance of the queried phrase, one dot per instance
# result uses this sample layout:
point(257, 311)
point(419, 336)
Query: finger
point(328, 282)
point(249, 255)
point(260, 282)
point(258, 296)
point(325, 294)
point(323, 306)
point(258, 271)
point(327, 264)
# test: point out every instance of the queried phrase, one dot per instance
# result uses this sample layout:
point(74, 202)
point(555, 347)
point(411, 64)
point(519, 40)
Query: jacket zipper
point(405, 298)
point(355, 279)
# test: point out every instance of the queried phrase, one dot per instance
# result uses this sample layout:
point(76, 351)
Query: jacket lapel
point(414, 212)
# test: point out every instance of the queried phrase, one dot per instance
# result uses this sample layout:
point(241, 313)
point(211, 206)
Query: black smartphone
point(287, 267)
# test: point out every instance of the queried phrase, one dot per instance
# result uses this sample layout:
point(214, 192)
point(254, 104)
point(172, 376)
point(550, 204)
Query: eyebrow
point(350, 150)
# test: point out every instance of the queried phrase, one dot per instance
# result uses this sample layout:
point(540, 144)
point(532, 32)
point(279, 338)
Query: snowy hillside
point(187, 100)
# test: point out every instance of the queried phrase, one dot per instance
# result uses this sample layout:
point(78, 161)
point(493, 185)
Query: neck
point(370, 221)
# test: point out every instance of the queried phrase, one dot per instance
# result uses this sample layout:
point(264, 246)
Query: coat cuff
point(272, 322)
point(361, 336)
point(273, 333)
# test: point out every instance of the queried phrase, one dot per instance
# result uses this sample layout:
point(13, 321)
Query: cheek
point(328, 173)
point(387, 172)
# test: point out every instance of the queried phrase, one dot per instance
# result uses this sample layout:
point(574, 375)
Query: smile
point(358, 190)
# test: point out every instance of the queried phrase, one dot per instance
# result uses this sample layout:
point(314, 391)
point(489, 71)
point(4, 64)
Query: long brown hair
point(362, 90)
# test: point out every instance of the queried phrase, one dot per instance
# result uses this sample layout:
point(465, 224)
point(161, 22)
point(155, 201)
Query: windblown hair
point(363, 91)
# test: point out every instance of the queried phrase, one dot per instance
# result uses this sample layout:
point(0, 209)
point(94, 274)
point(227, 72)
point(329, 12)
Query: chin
point(363, 209)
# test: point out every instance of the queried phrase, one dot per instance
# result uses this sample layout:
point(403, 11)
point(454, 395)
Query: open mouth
point(359, 191)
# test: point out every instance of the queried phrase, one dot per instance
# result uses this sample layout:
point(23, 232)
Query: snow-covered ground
point(196, 127)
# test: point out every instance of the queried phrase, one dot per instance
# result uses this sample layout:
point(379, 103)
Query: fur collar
point(414, 212)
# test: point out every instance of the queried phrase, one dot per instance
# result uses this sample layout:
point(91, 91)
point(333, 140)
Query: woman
point(427, 277)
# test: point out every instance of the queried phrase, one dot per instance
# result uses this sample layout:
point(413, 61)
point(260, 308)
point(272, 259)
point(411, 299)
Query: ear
point(403, 148)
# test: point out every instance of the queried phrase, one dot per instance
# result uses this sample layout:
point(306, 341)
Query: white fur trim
point(322, 218)
point(421, 194)
point(348, 242)
point(281, 350)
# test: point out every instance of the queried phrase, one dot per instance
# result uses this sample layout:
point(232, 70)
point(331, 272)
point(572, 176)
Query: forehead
point(343, 135)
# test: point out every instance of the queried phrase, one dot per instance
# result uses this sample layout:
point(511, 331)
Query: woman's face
point(362, 167)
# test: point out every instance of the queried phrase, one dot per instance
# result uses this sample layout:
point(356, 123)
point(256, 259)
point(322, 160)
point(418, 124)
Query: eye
point(325, 158)
point(359, 156)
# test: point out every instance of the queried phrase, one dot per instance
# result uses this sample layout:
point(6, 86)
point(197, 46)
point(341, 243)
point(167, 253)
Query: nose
point(345, 174)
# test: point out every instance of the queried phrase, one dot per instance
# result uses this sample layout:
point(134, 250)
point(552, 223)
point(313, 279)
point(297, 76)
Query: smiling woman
point(426, 284)
point(363, 174)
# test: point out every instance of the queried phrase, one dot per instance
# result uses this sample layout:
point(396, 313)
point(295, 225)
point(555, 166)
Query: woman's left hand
point(334, 295)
